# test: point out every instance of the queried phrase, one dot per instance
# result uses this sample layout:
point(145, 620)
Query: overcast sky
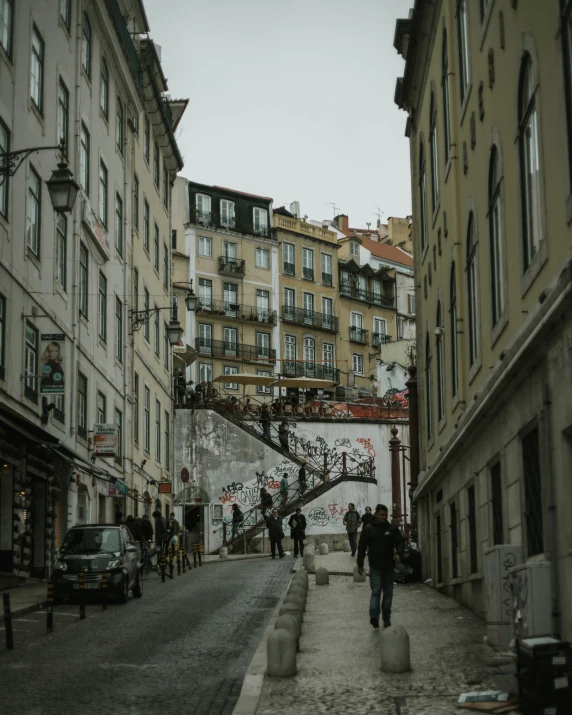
point(291, 99)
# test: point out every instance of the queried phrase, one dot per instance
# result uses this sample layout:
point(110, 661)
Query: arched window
point(422, 198)
point(434, 154)
point(86, 46)
point(309, 349)
point(428, 388)
point(104, 89)
point(473, 291)
point(530, 177)
point(495, 236)
point(453, 329)
point(439, 344)
point(119, 126)
point(445, 91)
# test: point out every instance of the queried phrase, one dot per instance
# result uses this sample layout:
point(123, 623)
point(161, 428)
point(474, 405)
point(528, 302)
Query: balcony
point(31, 393)
point(59, 416)
point(308, 274)
point(289, 269)
point(295, 368)
point(379, 339)
point(211, 219)
point(231, 266)
point(234, 351)
point(323, 321)
point(367, 296)
point(359, 335)
point(210, 307)
point(126, 42)
point(327, 279)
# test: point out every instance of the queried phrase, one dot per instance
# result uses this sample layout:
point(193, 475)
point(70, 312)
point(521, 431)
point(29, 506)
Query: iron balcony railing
point(295, 368)
point(126, 42)
point(300, 316)
point(212, 307)
point(367, 296)
point(239, 351)
point(231, 266)
point(211, 219)
point(308, 274)
point(289, 269)
point(359, 335)
point(380, 338)
point(327, 279)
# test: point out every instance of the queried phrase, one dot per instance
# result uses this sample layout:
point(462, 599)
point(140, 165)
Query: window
point(230, 340)
point(156, 248)
point(102, 307)
point(63, 114)
point(422, 198)
point(147, 420)
point(104, 89)
point(37, 70)
point(82, 405)
point(327, 313)
point(473, 292)
point(262, 303)
point(496, 241)
point(165, 267)
point(472, 518)
point(86, 46)
point(453, 329)
point(309, 350)
point(167, 441)
point(428, 388)
point(165, 186)
point(84, 160)
point(356, 320)
point(357, 364)
point(205, 338)
point(434, 154)
point(118, 329)
point(157, 167)
point(103, 200)
point(440, 350)
point(484, 4)
point(6, 20)
point(308, 263)
point(566, 25)
point(439, 551)
point(445, 91)
point(326, 269)
point(230, 298)
point(146, 225)
point(530, 175)
point(205, 246)
point(288, 257)
point(227, 213)
point(135, 289)
point(263, 389)
point(263, 345)
point(229, 250)
point(260, 221)
point(119, 424)
point(157, 335)
point(533, 493)
point(379, 330)
point(411, 304)
point(158, 434)
point(119, 125)
point(328, 358)
point(146, 306)
point(119, 224)
point(147, 140)
point(166, 346)
point(230, 370)
point(61, 249)
point(203, 208)
point(308, 306)
point(496, 502)
point(34, 212)
point(101, 408)
point(289, 299)
point(2, 337)
point(136, 202)
point(136, 408)
point(354, 248)
point(290, 354)
point(83, 280)
point(4, 149)
point(463, 31)
point(31, 363)
point(454, 541)
point(205, 372)
point(262, 258)
point(205, 293)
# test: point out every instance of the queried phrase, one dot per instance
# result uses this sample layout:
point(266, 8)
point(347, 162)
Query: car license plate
point(87, 585)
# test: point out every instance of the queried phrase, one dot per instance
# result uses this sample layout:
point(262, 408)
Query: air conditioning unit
point(532, 600)
point(497, 563)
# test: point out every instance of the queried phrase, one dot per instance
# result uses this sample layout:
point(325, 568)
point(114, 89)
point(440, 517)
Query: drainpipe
point(127, 365)
point(552, 511)
point(411, 385)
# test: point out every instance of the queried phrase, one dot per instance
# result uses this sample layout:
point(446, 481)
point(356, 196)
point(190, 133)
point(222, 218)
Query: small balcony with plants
point(234, 267)
point(213, 308)
point(359, 335)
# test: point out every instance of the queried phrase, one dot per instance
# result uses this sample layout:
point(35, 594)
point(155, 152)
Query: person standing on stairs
point(237, 519)
point(275, 532)
point(265, 422)
point(352, 522)
point(265, 501)
point(283, 435)
point(284, 489)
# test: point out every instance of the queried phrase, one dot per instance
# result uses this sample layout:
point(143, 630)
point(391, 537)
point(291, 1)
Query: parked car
point(96, 549)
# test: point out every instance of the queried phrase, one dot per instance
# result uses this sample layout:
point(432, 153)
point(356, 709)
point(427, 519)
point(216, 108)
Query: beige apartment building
point(487, 88)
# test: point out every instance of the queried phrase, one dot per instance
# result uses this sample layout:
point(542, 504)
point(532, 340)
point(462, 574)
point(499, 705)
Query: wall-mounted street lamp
point(62, 186)
point(191, 300)
point(142, 317)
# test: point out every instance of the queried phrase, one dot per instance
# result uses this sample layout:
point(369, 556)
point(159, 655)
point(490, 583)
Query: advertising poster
point(105, 440)
point(52, 364)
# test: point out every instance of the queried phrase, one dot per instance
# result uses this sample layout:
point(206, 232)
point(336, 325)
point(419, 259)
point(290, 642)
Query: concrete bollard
point(223, 552)
point(302, 585)
point(297, 591)
point(281, 653)
point(301, 574)
point(395, 650)
point(291, 609)
point(309, 561)
point(347, 546)
point(290, 624)
point(357, 577)
point(297, 601)
point(310, 550)
point(323, 549)
point(322, 577)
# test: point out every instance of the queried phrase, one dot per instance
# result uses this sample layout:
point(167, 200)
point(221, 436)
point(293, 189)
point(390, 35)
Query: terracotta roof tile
point(390, 253)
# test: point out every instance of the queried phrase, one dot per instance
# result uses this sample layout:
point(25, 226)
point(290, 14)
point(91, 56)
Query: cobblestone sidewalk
point(339, 666)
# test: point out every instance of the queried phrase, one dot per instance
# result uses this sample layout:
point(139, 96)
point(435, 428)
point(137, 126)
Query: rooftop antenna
point(368, 224)
point(379, 213)
point(333, 205)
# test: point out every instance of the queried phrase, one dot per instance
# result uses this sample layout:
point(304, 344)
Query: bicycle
point(146, 561)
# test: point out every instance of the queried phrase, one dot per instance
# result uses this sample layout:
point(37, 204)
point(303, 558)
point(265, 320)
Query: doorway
point(195, 525)
point(38, 518)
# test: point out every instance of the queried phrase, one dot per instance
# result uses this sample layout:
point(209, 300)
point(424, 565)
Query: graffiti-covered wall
point(229, 467)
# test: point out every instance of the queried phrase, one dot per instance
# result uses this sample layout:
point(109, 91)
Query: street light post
point(142, 317)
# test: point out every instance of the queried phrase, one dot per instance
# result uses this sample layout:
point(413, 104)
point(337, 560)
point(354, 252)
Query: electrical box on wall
point(498, 562)
point(532, 600)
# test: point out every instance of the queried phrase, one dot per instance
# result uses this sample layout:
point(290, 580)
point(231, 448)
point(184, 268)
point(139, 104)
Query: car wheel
point(124, 593)
point(137, 590)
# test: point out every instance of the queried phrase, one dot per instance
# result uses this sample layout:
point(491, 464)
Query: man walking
point(146, 529)
point(367, 518)
point(385, 545)
point(275, 532)
point(173, 526)
point(237, 518)
point(283, 435)
point(160, 533)
point(351, 522)
point(297, 524)
point(284, 489)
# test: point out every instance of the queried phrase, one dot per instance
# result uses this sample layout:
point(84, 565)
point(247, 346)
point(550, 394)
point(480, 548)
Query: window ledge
point(455, 581)
point(102, 342)
point(449, 163)
point(32, 257)
point(5, 223)
point(60, 291)
point(430, 442)
point(38, 114)
point(477, 576)
point(476, 366)
point(485, 24)
point(86, 77)
point(465, 103)
point(424, 255)
point(455, 400)
point(4, 55)
point(534, 268)
point(435, 213)
point(442, 424)
point(500, 325)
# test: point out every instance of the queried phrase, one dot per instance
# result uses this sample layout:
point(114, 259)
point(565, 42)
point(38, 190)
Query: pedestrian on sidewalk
point(367, 517)
point(160, 533)
point(385, 545)
point(283, 435)
point(275, 532)
point(265, 422)
point(297, 524)
point(146, 528)
point(237, 518)
point(265, 501)
point(173, 526)
point(284, 489)
point(352, 522)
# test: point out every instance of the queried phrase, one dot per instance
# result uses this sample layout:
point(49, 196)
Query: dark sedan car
point(96, 549)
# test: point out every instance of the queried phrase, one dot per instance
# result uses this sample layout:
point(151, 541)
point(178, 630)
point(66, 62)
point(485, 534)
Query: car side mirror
point(131, 548)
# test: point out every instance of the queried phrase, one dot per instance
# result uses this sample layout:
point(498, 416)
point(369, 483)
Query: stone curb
point(249, 698)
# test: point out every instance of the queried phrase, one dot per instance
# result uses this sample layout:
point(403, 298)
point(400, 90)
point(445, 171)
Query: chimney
point(342, 223)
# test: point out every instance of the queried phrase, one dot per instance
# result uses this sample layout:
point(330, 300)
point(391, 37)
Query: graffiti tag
point(367, 445)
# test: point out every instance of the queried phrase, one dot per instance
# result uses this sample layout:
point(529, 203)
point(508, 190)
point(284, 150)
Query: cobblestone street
point(183, 648)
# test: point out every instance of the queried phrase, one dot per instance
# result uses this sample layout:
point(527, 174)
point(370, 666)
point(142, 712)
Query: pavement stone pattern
point(183, 648)
point(339, 666)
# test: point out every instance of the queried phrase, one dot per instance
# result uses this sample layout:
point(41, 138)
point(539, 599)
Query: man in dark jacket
point(297, 524)
point(351, 522)
point(173, 525)
point(275, 532)
point(160, 530)
point(146, 529)
point(385, 545)
point(237, 519)
point(367, 518)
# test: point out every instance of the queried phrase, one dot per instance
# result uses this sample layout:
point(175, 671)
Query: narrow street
point(183, 648)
